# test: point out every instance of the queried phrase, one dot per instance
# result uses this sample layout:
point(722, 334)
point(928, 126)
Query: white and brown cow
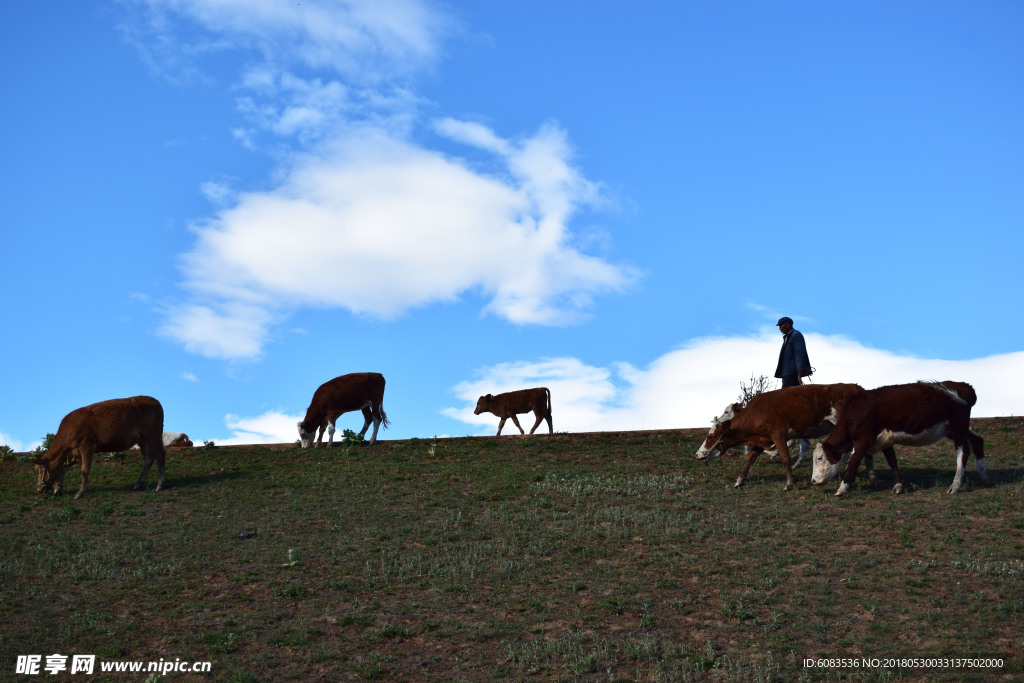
point(773, 418)
point(104, 427)
point(362, 391)
point(513, 403)
point(916, 414)
point(177, 440)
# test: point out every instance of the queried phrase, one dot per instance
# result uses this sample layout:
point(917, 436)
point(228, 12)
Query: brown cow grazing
point(358, 391)
point(902, 414)
point(515, 402)
point(104, 427)
point(775, 417)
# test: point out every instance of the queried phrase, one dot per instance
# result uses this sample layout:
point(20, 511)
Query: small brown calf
point(509, 404)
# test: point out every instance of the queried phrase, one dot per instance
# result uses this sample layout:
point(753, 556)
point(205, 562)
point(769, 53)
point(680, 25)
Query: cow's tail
point(384, 422)
point(547, 395)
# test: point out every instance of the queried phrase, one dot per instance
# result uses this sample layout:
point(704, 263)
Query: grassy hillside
point(612, 556)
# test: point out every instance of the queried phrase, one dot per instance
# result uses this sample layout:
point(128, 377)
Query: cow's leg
point(869, 467)
point(963, 451)
point(805, 445)
point(374, 416)
point(515, 421)
point(783, 447)
point(368, 417)
point(501, 424)
point(59, 486)
point(751, 457)
point(540, 418)
point(978, 448)
point(330, 432)
point(161, 457)
point(147, 462)
point(152, 450)
point(551, 427)
point(859, 449)
point(890, 457)
point(86, 468)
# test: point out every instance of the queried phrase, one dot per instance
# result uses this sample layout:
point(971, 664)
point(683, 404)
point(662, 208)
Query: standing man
point(794, 364)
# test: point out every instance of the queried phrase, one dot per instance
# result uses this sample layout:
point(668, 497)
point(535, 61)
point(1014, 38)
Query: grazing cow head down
point(49, 468)
point(306, 436)
point(712, 446)
point(826, 464)
point(43, 474)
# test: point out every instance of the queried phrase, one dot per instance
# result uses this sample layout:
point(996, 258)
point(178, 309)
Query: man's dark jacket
point(793, 356)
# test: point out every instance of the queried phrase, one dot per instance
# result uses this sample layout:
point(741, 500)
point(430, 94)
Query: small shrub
point(350, 438)
point(6, 453)
point(758, 385)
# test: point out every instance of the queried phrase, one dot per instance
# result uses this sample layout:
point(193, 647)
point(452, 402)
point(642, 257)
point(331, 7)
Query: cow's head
point(826, 463)
point(306, 435)
point(483, 404)
point(713, 445)
point(49, 468)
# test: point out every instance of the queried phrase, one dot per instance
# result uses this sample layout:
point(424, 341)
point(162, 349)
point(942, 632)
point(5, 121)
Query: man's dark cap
point(784, 319)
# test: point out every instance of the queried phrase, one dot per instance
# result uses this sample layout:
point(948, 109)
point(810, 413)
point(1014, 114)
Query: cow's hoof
point(872, 477)
point(953, 489)
point(843, 489)
point(739, 483)
point(897, 489)
point(788, 486)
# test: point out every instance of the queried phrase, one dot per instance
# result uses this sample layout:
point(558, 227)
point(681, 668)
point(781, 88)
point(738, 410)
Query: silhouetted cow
point(906, 415)
point(104, 427)
point(771, 419)
point(510, 404)
point(358, 391)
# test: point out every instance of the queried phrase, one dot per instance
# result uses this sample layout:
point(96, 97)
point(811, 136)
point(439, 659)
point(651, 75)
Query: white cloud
point(227, 330)
point(379, 226)
point(189, 376)
point(360, 39)
point(18, 446)
point(270, 427)
point(371, 222)
point(689, 386)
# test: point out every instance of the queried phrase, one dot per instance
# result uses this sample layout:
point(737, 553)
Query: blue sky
point(225, 203)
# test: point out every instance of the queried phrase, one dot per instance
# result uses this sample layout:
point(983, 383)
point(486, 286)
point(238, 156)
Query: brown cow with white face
point(363, 391)
point(773, 418)
point(104, 427)
point(916, 414)
point(509, 404)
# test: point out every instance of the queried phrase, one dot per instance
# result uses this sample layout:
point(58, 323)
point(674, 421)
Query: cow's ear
point(489, 396)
